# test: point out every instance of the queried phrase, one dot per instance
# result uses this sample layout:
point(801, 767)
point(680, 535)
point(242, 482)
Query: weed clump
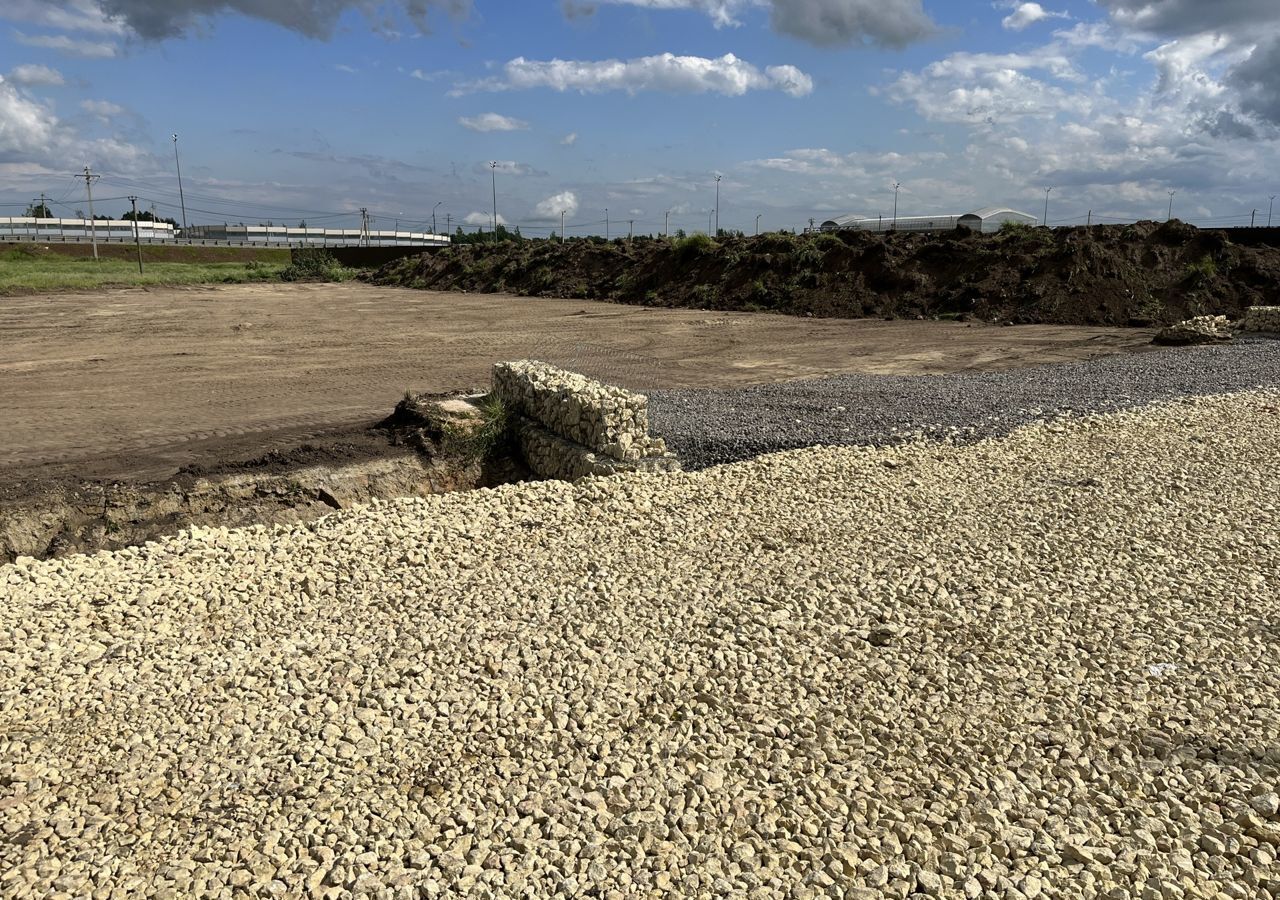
point(315, 265)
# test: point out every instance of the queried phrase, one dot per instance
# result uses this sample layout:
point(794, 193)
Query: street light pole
point(718, 177)
point(181, 198)
point(710, 213)
point(562, 212)
point(493, 174)
point(433, 216)
point(1170, 215)
point(896, 186)
point(666, 220)
point(758, 215)
point(1046, 206)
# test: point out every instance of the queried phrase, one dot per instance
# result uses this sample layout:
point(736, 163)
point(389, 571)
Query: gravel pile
point(708, 427)
point(1044, 666)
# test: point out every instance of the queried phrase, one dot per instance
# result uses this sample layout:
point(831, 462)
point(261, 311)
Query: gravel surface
point(1046, 665)
point(708, 427)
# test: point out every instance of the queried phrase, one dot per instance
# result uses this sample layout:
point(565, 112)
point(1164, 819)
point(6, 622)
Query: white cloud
point(492, 122)
point(69, 46)
point(343, 67)
point(1027, 14)
point(666, 72)
point(27, 127)
point(565, 201)
point(36, 75)
point(569, 139)
point(483, 218)
point(65, 15)
point(103, 109)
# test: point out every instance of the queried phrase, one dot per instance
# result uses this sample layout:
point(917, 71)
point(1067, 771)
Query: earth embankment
point(1142, 274)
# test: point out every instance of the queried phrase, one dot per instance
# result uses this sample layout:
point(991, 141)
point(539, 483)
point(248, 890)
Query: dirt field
point(137, 383)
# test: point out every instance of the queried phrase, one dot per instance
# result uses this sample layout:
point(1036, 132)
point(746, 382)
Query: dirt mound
point(1146, 273)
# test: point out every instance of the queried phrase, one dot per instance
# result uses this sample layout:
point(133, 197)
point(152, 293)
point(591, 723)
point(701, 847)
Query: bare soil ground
point(138, 383)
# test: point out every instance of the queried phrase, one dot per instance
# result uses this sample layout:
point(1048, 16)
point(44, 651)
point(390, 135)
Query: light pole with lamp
point(896, 186)
point(181, 198)
point(1046, 206)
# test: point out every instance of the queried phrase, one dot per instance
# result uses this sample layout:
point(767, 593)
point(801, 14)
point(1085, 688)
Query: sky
point(308, 110)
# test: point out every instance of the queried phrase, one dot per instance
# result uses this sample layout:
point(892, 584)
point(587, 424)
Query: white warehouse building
point(985, 221)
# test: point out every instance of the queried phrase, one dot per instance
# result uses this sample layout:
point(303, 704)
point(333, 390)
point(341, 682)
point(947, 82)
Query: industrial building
point(27, 228)
point(985, 221)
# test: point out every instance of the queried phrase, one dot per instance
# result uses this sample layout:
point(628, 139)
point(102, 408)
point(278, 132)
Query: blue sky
point(294, 110)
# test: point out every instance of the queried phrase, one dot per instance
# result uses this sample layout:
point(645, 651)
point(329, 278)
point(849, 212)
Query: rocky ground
point(1045, 665)
point(708, 427)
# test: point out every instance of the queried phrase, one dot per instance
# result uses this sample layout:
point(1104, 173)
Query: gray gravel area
point(709, 427)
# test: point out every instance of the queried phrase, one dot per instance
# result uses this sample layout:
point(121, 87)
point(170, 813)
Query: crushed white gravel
point(1045, 665)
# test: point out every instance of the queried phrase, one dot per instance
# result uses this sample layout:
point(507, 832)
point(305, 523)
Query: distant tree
point(39, 211)
point(302, 224)
point(680, 235)
point(146, 216)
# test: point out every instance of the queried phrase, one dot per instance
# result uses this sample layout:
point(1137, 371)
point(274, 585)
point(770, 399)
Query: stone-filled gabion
point(1199, 330)
point(570, 426)
point(1262, 319)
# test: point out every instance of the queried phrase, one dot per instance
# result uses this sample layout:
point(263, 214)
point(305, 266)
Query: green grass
point(22, 273)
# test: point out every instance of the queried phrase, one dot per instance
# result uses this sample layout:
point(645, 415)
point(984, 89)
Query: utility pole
point(1170, 215)
point(1088, 223)
point(896, 186)
point(448, 223)
point(1270, 206)
point(666, 220)
point(758, 215)
point(710, 213)
point(93, 226)
point(718, 206)
point(493, 176)
point(562, 212)
point(631, 228)
point(433, 215)
point(606, 223)
point(137, 240)
point(181, 198)
point(1046, 206)
point(1253, 218)
point(364, 226)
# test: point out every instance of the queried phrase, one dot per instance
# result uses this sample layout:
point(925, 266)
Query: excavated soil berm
point(1143, 274)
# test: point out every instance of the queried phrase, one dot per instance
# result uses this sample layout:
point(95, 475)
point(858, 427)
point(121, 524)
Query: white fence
point(28, 229)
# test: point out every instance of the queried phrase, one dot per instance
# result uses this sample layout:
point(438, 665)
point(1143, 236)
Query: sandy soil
point(137, 383)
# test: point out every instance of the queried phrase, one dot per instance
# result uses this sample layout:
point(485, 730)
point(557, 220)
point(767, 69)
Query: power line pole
point(710, 213)
point(137, 240)
point(1170, 215)
point(1046, 206)
point(758, 215)
point(93, 226)
point(493, 175)
point(718, 177)
point(181, 197)
point(631, 228)
point(606, 223)
point(562, 212)
point(666, 220)
point(1089, 221)
point(364, 226)
point(433, 215)
point(1253, 218)
point(1270, 206)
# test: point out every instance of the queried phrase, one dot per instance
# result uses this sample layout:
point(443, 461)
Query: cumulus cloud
point(834, 23)
point(483, 218)
point(159, 19)
point(565, 201)
point(1174, 18)
point(1257, 80)
point(492, 122)
point(569, 139)
point(36, 75)
point(26, 126)
point(71, 46)
point(666, 72)
point(825, 23)
point(1026, 14)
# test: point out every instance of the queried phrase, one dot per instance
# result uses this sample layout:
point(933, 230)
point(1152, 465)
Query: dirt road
point(136, 383)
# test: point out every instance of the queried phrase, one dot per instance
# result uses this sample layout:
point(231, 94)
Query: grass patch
point(315, 265)
point(23, 273)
